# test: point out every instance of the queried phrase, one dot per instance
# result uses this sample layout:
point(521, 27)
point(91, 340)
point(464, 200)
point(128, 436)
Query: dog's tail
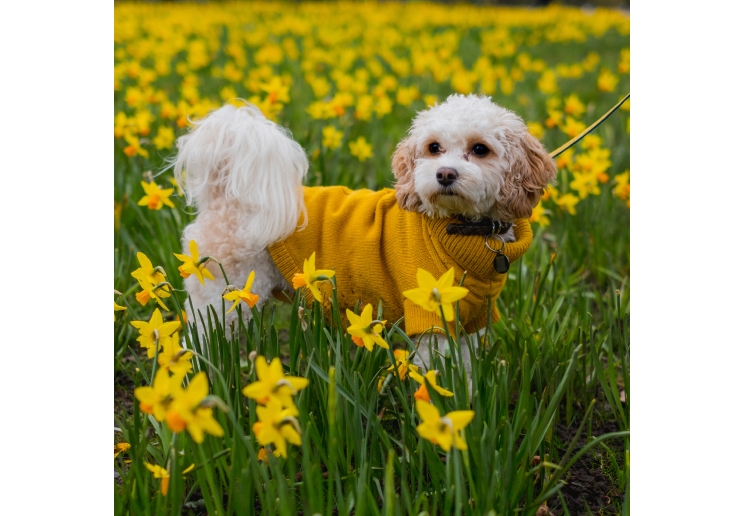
point(235, 157)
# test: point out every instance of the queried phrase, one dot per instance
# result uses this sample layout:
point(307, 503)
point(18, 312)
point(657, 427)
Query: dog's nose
point(446, 176)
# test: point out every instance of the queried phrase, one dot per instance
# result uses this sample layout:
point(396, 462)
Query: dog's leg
point(429, 344)
point(438, 342)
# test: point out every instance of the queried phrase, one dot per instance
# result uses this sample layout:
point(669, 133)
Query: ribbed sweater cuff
point(417, 320)
point(283, 259)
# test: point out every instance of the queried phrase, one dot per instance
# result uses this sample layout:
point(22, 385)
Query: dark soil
point(123, 394)
point(590, 487)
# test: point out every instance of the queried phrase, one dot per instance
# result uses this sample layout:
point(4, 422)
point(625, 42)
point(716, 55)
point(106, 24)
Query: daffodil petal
point(193, 248)
point(427, 412)
point(381, 342)
point(449, 312)
point(452, 294)
point(249, 281)
point(417, 295)
point(425, 280)
point(447, 279)
point(367, 313)
point(461, 418)
point(262, 368)
point(353, 318)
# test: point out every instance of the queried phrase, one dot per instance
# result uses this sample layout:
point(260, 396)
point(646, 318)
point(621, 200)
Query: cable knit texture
point(375, 248)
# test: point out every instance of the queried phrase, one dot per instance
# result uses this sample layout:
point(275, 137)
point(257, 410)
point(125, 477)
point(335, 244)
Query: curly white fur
point(244, 175)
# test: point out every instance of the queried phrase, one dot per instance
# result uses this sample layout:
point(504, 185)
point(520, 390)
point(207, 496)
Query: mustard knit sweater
point(375, 248)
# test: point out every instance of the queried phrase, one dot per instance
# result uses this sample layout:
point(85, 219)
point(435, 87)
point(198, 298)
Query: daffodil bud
point(212, 401)
point(290, 420)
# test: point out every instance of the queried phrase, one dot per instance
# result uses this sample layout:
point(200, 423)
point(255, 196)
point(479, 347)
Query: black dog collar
point(482, 227)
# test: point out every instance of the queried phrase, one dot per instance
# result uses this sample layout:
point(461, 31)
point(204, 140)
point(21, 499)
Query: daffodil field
point(293, 413)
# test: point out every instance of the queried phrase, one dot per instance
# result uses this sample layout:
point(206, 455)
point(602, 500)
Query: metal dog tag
point(501, 263)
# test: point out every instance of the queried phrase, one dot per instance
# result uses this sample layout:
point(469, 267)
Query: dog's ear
point(532, 169)
point(404, 162)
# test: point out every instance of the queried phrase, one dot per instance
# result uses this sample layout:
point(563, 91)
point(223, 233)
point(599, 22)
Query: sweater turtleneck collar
point(470, 252)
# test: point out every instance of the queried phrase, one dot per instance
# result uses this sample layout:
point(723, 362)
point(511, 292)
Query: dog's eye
point(434, 148)
point(479, 149)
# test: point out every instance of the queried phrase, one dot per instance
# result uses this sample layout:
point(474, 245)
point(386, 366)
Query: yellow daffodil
point(622, 187)
point(276, 426)
point(364, 108)
point(134, 146)
point(118, 308)
point(573, 105)
point(272, 384)
point(572, 127)
point(539, 215)
point(431, 377)
point(312, 278)
point(383, 106)
point(243, 295)
point(277, 90)
point(189, 411)
point(360, 149)
point(173, 357)
point(120, 448)
point(591, 141)
point(402, 364)
point(536, 130)
point(568, 202)
point(364, 331)
point(152, 291)
point(151, 331)
point(565, 159)
point(607, 81)
point(332, 137)
point(193, 264)
point(162, 474)
point(156, 399)
point(584, 184)
point(548, 82)
point(430, 100)
point(149, 278)
point(405, 96)
point(433, 293)
point(555, 117)
point(155, 197)
point(164, 139)
point(443, 431)
point(321, 110)
point(263, 455)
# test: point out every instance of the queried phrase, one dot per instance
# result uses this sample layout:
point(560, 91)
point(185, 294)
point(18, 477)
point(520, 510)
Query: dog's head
point(468, 156)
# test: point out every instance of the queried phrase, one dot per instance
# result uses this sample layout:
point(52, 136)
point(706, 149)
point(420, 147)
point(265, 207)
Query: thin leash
point(563, 148)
